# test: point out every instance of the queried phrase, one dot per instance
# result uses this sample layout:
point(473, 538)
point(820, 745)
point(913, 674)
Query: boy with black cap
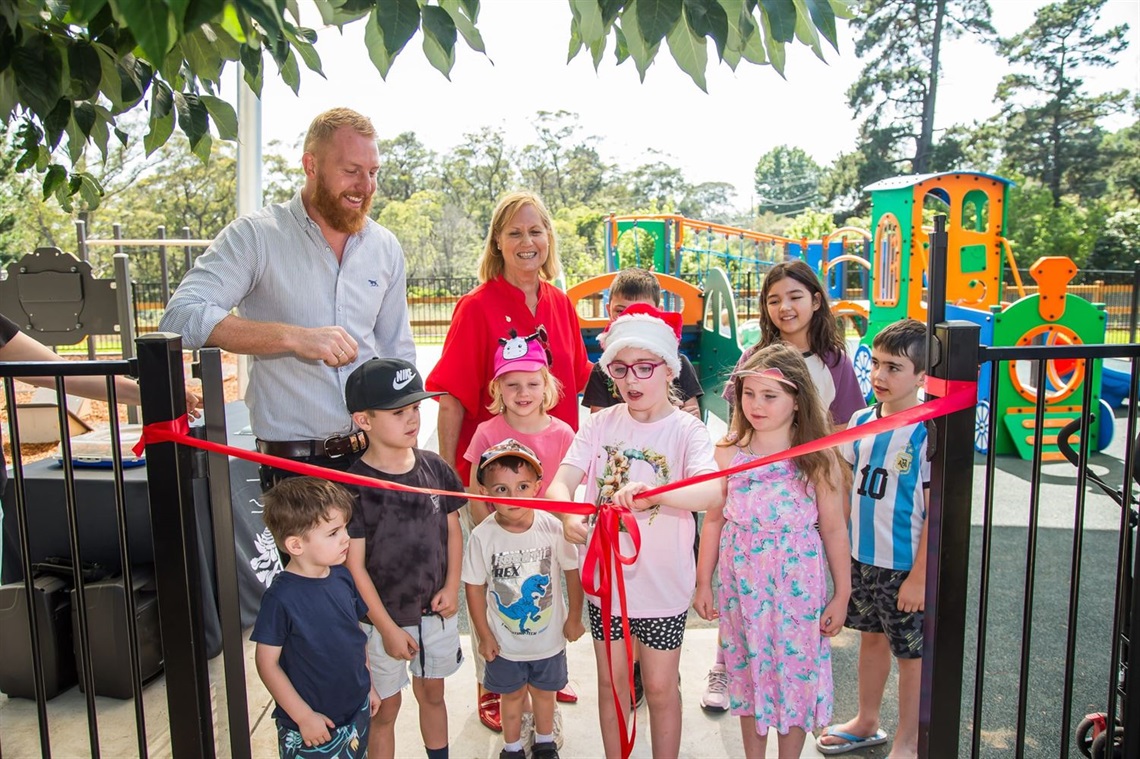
point(514, 592)
point(405, 553)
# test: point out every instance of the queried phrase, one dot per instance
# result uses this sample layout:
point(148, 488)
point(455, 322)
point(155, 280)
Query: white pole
point(248, 174)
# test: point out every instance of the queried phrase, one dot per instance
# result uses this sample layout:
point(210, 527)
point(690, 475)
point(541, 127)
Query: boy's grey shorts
point(504, 676)
point(438, 657)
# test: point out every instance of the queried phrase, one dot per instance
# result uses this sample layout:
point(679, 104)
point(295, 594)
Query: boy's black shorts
point(873, 608)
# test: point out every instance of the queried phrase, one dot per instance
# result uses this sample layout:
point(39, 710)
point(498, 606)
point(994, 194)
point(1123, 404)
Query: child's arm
point(573, 628)
point(691, 406)
point(912, 592)
point(562, 488)
point(313, 725)
point(703, 602)
point(397, 643)
point(477, 604)
point(446, 601)
point(833, 532)
point(701, 496)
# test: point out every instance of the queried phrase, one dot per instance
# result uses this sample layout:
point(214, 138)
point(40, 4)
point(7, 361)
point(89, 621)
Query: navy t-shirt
point(315, 621)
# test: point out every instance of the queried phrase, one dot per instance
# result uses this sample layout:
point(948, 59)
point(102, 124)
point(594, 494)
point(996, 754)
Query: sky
point(718, 136)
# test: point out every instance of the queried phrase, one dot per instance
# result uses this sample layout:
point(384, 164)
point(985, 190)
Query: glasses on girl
point(641, 370)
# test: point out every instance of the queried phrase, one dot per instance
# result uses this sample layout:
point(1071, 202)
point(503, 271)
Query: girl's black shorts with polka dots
point(660, 633)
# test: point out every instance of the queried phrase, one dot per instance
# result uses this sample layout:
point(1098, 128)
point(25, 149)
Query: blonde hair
point(551, 392)
point(326, 124)
point(491, 262)
point(810, 421)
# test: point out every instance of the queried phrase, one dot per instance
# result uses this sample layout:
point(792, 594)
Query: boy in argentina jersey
point(511, 570)
point(888, 545)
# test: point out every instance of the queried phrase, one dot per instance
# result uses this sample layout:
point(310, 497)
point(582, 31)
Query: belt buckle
point(341, 445)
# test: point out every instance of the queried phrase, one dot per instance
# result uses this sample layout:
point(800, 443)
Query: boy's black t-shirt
point(601, 390)
point(405, 534)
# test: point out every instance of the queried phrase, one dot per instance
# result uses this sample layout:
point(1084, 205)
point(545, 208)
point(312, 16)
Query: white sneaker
point(526, 733)
point(715, 697)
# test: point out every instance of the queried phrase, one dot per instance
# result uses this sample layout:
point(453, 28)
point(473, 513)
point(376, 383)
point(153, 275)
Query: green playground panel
point(1020, 438)
point(660, 231)
point(719, 349)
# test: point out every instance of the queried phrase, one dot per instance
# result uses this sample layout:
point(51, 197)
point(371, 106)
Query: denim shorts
point(506, 676)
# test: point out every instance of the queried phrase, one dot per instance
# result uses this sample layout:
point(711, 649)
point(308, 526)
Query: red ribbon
point(602, 565)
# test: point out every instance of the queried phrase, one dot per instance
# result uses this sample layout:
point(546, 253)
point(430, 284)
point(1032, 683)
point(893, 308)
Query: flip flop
point(851, 742)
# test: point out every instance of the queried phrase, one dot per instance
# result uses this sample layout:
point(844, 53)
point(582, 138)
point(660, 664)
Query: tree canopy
point(72, 69)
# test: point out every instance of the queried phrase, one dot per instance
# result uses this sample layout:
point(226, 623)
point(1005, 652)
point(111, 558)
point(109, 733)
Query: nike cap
point(384, 383)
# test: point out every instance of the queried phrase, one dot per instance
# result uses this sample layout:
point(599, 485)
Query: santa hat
point(647, 327)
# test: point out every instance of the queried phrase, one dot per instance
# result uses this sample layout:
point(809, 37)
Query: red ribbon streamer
point(603, 562)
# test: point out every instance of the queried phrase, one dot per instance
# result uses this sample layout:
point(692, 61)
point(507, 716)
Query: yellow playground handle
point(1013, 266)
point(690, 295)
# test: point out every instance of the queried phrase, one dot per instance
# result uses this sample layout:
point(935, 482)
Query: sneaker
point(504, 754)
point(544, 751)
point(557, 728)
point(638, 688)
point(715, 697)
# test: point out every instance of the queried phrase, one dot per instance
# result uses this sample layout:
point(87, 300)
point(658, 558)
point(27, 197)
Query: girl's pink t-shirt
point(613, 448)
point(550, 445)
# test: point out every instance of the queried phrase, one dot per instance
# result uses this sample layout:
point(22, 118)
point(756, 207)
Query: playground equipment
point(689, 248)
point(708, 334)
point(975, 207)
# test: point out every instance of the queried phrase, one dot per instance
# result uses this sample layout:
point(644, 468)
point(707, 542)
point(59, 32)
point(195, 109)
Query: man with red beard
point(319, 288)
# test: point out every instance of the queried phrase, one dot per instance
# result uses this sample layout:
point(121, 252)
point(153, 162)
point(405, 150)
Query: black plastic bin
point(52, 603)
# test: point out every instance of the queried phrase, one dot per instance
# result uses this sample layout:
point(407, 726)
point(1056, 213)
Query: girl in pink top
point(523, 391)
point(621, 452)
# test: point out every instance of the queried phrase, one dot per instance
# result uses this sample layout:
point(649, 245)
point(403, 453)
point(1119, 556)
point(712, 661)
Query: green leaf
point(99, 133)
point(707, 19)
point(56, 176)
point(82, 11)
point(151, 24)
point(84, 69)
point(823, 19)
point(753, 48)
point(251, 62)
point(231, 23)
point(203, 147)
point(779, 20)
point(340, 12)
point(472, 8)
point(465, 25)
point(90, 190)
point(308, 54)
point(202, 11)
point(178, 11)
point(193, 119)
point(161, 100)
point(655, 18)
point(374, 43)
point(734, 42)
point(621, 49)
point(439, 39)
point(109, 82)
point(84, 117)
point(641, 53)
point(689, 51)
point(575, 40)
point(56, 121)
point(397, 20)
point(590, 25)
point(160, 130)
point(290, 73)
point(121, 136)
point(773, 47)
point(134, 78)
point(76, 140)
point(201, 54)
point(806, 31)
point(223, 115)
point(38, 67)
point(8, 95)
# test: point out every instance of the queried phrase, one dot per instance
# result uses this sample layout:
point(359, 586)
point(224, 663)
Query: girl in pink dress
point(775, 617)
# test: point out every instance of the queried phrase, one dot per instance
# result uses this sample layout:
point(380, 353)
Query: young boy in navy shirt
point(310, 648)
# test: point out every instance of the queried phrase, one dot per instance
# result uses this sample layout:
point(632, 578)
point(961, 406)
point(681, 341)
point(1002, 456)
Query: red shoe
point(489, 713)
point(567, 695)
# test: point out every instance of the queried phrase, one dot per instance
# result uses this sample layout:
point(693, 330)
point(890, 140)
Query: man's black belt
point(331, 447)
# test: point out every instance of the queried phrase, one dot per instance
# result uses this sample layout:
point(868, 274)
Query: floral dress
point(772, 591)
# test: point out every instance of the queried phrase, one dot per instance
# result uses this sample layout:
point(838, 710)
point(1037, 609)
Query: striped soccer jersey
point(887, 504)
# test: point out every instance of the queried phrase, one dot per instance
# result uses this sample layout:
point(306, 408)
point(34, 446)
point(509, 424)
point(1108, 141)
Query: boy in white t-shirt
point(511, 572)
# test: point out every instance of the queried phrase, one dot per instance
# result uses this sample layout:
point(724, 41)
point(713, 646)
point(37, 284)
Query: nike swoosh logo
point(397, 385)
